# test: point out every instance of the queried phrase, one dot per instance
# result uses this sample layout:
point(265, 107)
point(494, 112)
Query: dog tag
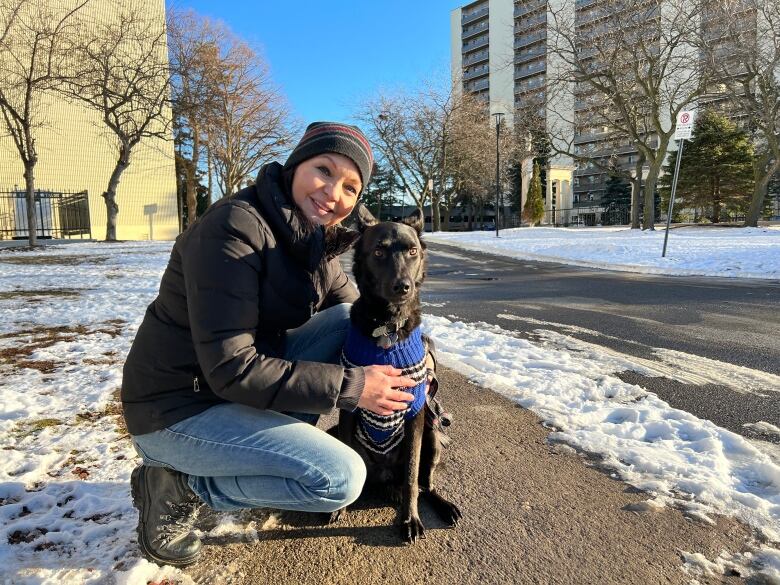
point(387, 341)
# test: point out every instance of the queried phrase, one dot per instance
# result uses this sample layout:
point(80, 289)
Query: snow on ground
point(712, 251)
point(70, 313)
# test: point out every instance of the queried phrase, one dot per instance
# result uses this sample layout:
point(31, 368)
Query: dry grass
point(40, 337)
point(25, 428)
point(30, 295)
point(51, 260)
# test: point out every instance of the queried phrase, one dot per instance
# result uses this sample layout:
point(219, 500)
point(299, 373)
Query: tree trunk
point(762, 175)
point(435, 217)
point(648, 222)
point(210, 167)
point(192, 167)
point(32, 223)
point(180, 195)
point(715, 200)
point(112, 209)
point(636, 193)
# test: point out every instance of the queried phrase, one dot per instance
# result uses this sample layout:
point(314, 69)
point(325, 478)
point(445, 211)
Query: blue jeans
point(237, 456)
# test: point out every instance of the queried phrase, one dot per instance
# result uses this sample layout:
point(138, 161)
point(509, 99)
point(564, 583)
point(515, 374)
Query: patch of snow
point(763, 428)
point(657, 448)
point(727, 252)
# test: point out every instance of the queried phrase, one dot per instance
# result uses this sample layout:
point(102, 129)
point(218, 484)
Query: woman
point(238, 354)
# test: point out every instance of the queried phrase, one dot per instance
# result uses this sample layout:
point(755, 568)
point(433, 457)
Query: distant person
point(239, 353)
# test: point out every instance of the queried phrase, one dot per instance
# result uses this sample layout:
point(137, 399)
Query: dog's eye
point(412, 251)
point(379, 253)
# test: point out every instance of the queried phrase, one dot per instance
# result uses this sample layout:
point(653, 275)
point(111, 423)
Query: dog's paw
point(411, 530)
point(445, 509)
point(334, 517)
point(449, 513)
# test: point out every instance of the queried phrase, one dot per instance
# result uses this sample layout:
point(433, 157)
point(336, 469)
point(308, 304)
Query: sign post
point(682, 132)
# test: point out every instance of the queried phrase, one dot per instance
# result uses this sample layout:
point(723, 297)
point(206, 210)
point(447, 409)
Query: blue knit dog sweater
point(381, 433)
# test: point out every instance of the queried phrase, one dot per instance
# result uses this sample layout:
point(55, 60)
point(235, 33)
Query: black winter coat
point(240, 276)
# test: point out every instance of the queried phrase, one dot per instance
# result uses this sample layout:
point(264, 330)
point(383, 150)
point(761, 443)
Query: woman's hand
point(379, 395)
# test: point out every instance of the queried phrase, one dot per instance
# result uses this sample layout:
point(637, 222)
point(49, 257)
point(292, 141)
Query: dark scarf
point(307, 243)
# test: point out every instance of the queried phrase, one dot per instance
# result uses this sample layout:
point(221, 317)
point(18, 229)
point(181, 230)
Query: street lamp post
point(498, 116)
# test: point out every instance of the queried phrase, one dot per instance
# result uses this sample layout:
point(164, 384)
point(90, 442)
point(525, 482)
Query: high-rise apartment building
point(481, 46)
point(499, 53)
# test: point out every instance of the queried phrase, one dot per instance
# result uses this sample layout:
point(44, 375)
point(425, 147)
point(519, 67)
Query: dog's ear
point(415, 220)
point(364, 218)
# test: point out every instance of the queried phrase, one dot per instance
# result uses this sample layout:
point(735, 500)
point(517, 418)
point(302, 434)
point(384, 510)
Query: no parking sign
point(684, 126)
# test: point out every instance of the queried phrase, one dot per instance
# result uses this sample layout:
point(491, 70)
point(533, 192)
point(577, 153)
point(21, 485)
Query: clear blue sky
point(328, 55)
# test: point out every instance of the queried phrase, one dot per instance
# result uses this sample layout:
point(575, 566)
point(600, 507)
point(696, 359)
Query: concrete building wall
point(456, 50)
point(76, 153)
point(501, 58)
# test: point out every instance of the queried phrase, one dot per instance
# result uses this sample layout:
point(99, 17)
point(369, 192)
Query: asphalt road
point(716, 323)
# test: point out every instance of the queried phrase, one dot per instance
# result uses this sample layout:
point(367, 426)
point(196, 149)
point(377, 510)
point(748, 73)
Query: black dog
point(403, 449)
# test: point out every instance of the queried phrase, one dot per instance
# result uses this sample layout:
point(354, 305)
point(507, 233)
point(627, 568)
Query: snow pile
point(657, 448)
point(731, 252)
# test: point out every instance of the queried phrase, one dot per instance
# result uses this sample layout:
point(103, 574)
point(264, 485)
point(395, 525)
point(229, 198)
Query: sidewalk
point(533, 513)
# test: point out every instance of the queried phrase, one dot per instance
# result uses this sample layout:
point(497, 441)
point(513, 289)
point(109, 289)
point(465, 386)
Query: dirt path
point(533, 513)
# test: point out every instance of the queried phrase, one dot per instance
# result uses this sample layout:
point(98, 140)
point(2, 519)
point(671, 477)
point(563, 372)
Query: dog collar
point(387, 334)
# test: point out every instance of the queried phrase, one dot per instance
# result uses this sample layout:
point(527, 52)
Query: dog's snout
point(402, 286)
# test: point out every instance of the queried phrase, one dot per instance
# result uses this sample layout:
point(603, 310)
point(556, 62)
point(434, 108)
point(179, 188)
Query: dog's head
point(389, 262)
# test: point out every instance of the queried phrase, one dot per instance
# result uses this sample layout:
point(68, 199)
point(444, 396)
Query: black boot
point(167, 509)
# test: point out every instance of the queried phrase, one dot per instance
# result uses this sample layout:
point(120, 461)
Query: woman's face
point(326, 187)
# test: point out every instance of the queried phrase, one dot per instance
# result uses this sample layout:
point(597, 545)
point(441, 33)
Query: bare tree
point(193, 47)
point(623, 71)
point(404, 131)
point(741, 42)
point(439, 144)
point(120, 69)
point(251, 123)
point(32, 58)
point(471, 164)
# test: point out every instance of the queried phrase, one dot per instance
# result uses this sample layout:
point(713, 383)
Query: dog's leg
point(429, 459)
point(345, 432)
point(412, 528)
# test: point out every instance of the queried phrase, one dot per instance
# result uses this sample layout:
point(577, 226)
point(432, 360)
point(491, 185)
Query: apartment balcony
point(474, 30)
point(522, 88)
point(529, 55)
point(531, 22)
point(586, 53)
point(478, 85)
point(476, 72)
point(530, 39)
point(472, 58)
point(475, 43)
point(468, 17)
point(533, 69)
point(581, 4)
point(528, 8)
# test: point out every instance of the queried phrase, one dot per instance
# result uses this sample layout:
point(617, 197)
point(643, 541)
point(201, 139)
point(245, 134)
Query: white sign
point(684, 126)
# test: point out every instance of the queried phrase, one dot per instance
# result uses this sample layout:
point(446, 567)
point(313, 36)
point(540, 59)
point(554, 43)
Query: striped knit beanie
point(322, 137)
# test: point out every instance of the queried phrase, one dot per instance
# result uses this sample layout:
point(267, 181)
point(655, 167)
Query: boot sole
point(145, 548)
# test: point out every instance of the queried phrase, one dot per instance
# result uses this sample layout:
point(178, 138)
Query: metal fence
point(578, 216)
point(58, 215)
